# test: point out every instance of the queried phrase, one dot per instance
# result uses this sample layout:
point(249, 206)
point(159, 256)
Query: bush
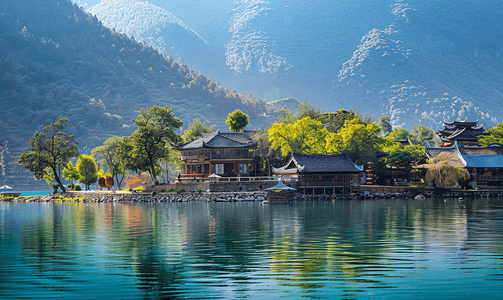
point(102, 183)
point(154, 193)
point(78, 188)
point(140, 189)
point(109, 181)
point(180, 190)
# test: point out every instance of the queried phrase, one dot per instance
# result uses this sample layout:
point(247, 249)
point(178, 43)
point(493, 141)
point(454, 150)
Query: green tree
point(196, 130)
point(385, 124)
point(307, 109)
point(108, 155)
point(156, 129)
point(51, 148)
point(359, 140)
point(70, 172)
point(88, 170)
point(422, 134)
point(306, 136)
point(406, 158)
point(334, 122)
point(237, 121)
point(399, 134)
point(286, 116)
point(493, 135)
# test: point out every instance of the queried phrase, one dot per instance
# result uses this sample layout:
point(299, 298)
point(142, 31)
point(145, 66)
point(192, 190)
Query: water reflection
point(347, 249)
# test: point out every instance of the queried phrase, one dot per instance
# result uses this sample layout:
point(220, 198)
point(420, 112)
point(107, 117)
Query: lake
point(375, 249)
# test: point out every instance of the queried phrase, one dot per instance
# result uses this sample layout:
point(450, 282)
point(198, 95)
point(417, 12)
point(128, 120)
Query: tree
point(109, 156)
point(70, 172)
point(88, 170)
point(442, 173)
point(334, 122)
point(422, 134)
point(156, 127)
point(237, 121)
point(306, 109)
point(306, 136)
point(359, 140)
point(195, 130)
point(406, 158)
point(51, 148)
point(399, 134)
point(385, 124)
point(493, 135)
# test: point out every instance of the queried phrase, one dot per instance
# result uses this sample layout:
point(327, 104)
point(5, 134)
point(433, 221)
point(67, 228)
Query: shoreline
point(256, 196)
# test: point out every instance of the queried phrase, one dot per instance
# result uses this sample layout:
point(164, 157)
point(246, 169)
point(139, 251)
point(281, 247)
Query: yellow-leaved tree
point(306, 136)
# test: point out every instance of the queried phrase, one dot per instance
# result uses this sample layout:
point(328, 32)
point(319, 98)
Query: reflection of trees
point(193, 249)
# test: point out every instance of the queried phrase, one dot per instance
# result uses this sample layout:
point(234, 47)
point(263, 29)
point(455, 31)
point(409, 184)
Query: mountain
point(57, 60)
point(418, 61)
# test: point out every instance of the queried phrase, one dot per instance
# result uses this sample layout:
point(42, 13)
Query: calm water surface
point(394, 249)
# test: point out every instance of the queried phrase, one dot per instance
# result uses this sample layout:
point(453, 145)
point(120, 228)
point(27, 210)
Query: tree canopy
point(70, 172)
point(196, 130)
point(359, 140)
point(156, 129)
point(108, 155)
point(422, 134)
point(385, 124)
point(88, 170)
point(237, 121)
point(306, 136)
point(51, 148)
point(493, 135)
point(400, 134)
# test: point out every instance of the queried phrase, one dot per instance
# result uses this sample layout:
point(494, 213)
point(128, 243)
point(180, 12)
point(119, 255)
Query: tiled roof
point(470, 157)
point(318, 163)
point(461, 123)
point(461, 134)
point(244, 139)
point(483, 161)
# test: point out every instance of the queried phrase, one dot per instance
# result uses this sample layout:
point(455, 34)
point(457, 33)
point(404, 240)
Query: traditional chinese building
point(464, 133)
point(320, 173)
point(224, 154)
point(485, 164)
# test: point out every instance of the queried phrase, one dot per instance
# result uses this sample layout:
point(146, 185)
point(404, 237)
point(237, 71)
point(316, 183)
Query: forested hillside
point(418, 61)
point(56, 60)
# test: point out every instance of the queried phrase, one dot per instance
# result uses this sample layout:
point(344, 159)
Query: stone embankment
point(148, 197)
point(246, 196)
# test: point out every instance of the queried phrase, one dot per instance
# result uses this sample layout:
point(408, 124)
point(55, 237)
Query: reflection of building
point(465, 133)
point(485, 164)
point(225, 154)
point(320, 173)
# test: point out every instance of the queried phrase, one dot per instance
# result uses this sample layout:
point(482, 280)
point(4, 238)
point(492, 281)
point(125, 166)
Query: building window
point(219, 168)
point(243, 168)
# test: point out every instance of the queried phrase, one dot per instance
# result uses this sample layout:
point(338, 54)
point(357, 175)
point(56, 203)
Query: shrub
point(78, 188)
point(140, 188)
point(154, 193)
point(109, 181)
point(102, 182)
